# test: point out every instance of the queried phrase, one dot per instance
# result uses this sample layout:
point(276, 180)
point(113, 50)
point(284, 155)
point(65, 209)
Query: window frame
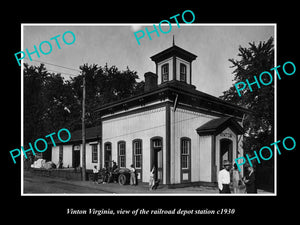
point(163, 74)
point(185, 152)
point(134, 160)
point(182, 65)
point(185, 158)
point(94, 155)
point(121, 157)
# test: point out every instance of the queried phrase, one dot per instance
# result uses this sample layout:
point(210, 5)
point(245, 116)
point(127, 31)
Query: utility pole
point(83, 129)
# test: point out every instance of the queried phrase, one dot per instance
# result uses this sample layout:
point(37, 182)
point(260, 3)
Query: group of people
point(229, 175)
point(109, 174)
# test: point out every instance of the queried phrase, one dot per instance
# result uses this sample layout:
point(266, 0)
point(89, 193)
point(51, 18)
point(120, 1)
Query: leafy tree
point(104, 85)
point(259, 125)
point(48, 101)
point(52, 103)
point(61, 109)
point(33, 102)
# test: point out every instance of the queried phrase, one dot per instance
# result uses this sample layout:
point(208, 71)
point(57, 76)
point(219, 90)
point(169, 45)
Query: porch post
point(213, 159)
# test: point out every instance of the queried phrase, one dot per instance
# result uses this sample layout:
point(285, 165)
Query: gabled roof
point(216, 126)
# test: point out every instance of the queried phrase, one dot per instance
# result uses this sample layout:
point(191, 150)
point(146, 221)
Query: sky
point(115, 44)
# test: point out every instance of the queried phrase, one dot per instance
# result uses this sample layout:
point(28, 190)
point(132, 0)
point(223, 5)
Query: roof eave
point(171, 89)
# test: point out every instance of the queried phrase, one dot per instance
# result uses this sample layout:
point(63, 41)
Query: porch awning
point(216, 126)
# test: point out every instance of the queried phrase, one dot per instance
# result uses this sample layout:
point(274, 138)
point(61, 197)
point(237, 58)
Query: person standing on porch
point(224, 178)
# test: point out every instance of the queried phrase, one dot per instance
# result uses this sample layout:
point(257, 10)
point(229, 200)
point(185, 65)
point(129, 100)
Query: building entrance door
point(76, 156)
point(158, 162)
point(157, 157)
point(225, 151)
point(107, 155)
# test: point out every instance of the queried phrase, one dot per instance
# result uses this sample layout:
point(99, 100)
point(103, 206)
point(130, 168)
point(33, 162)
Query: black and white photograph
point(132, 113)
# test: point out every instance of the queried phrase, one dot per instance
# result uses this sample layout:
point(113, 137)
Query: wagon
point(119, 175)
point(122, 176)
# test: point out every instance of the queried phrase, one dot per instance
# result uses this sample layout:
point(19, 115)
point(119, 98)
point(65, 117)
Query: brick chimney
point(150, 81)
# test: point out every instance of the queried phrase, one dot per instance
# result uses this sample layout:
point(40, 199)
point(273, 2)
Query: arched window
point(185, 159)
point(185, 153)
point(165, 72)
point(137, 153)
point(122, 154)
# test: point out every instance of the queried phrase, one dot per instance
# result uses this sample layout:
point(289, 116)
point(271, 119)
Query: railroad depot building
point(185, 133)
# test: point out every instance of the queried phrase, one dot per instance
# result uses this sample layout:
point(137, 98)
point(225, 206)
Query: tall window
point(165, 72)
point(185, 153)
point(137, 154)
point(94, 153)
point(182, 72)
point(122, 154)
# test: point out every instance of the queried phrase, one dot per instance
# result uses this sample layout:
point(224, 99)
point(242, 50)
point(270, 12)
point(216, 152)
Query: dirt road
point(34, 184)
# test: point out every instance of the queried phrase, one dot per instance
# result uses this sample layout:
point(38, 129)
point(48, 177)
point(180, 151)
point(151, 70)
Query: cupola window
point(182, 72)
point(165, 72)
